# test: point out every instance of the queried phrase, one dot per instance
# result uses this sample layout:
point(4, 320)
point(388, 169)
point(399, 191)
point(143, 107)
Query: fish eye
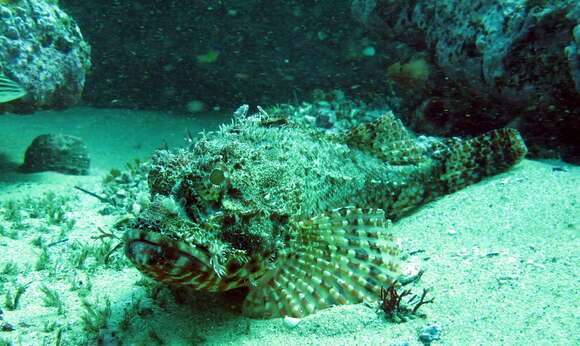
point(217, 176)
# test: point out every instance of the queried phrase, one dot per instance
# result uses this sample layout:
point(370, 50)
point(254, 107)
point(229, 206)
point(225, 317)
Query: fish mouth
point(166, 260)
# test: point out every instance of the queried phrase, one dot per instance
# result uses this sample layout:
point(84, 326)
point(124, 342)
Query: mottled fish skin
point(299, 216)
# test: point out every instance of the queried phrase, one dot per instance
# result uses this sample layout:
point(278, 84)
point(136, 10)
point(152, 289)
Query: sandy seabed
point(500, 257)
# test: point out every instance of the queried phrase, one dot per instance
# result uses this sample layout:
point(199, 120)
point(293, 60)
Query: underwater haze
point(227, 172)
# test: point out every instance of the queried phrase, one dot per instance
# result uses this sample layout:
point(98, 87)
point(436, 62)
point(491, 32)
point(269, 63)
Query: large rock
point(489, 64)
point(42, 48)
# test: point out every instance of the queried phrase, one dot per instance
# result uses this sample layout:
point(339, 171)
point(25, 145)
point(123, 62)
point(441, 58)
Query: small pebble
point(136, 208)
point(532, 263)
point(7, 327)
point(506, 278)
point(291, 322)
point(430, 334)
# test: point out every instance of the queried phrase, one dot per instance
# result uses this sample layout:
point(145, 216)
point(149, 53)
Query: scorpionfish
point(299, 216)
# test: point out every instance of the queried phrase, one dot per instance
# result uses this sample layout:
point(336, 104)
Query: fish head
point(197, 230)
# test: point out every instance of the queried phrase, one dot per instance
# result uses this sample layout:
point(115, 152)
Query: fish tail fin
point(467, 162)
point(342, 257)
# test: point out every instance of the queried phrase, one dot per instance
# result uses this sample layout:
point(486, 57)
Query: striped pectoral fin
point(342, 257)
point(10, 90)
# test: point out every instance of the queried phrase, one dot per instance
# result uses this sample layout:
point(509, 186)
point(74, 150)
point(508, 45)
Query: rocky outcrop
point(42, 48)
point(490, 63)
point(503, 49)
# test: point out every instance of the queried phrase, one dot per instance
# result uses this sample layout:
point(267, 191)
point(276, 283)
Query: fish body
point(300, 217)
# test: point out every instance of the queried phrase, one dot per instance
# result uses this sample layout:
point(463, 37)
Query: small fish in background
point(10, 90)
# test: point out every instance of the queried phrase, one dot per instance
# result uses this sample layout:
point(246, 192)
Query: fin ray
point(386, 138)
point(10, 90)
point(342, 257)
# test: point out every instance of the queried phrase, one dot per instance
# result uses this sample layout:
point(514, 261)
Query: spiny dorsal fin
point(387, 139)
point(342, 257)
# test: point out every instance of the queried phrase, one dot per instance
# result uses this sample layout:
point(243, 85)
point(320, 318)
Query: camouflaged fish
point(298, 216)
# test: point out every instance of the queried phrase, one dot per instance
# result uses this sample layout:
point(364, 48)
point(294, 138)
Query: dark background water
point(161, 55)
point(146, 53)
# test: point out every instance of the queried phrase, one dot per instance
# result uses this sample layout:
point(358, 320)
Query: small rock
point(136, 208)
point(510, 277)
point(411, 272)
point(430, 334)
point(56, 152)
point(291, 322)
point(7, 327)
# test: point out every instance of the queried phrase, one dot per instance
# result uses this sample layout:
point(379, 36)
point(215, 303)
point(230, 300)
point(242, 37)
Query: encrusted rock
point(508, 50)
point(42, 48)
point(56, 152)
point(465, 66)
